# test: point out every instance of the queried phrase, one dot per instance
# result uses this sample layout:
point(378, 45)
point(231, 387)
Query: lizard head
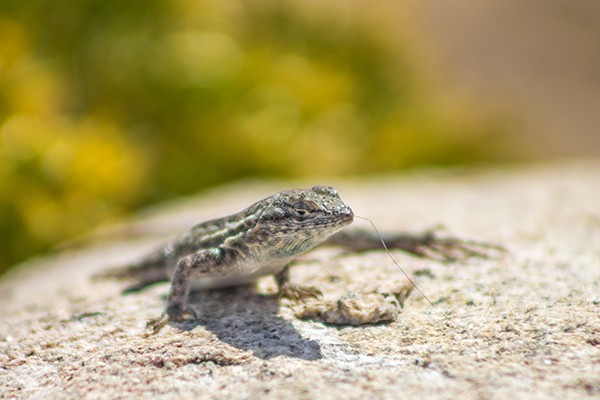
point(295, 221)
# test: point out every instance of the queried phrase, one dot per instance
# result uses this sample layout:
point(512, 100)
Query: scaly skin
point(263, 239)
point(260, 240)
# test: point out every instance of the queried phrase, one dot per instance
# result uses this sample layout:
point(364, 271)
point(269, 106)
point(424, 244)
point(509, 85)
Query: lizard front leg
point(177, 309)
point(291, 291)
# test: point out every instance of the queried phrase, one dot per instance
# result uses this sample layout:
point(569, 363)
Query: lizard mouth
point(336, 221)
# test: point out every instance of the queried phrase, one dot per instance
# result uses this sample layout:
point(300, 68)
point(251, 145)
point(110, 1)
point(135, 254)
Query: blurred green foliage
point(107, 105)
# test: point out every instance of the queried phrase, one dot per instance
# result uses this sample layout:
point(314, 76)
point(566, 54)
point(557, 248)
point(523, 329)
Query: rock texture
point(526, 326)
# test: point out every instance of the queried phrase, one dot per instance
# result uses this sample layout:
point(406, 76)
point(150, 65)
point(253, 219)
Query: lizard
point(263, 239)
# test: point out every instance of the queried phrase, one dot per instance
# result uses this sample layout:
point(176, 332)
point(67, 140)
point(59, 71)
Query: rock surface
point(363, 307)
point(526, 326)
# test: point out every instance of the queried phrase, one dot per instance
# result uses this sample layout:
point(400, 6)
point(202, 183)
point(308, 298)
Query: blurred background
point(107, 106)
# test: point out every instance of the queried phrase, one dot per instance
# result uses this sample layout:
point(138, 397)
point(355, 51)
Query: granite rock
point(524, 326)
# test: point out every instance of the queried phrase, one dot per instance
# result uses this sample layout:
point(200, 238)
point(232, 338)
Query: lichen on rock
point(361, 307)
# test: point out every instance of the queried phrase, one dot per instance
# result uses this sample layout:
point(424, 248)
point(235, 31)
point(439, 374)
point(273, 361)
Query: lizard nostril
point(348, 213)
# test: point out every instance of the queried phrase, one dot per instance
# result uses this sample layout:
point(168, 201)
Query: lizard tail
point(149, 270)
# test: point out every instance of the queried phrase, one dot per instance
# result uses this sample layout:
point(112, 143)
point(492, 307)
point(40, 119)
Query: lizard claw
point(430, 244)
point(155, 325)
point(453, 249)
point(447, 249)
point(299, 292)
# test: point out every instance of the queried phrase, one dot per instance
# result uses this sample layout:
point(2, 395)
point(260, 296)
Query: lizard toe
point(155, 325)
point(299, 292)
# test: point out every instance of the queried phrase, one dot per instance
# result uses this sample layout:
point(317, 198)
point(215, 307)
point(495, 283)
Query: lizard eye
point(301, 209)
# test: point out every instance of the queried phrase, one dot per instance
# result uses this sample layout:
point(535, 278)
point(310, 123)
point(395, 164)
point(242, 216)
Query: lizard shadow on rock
point(249, 321)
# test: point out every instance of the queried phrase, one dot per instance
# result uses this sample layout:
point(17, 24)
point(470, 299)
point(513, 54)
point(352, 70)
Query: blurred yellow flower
point(105, 108)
